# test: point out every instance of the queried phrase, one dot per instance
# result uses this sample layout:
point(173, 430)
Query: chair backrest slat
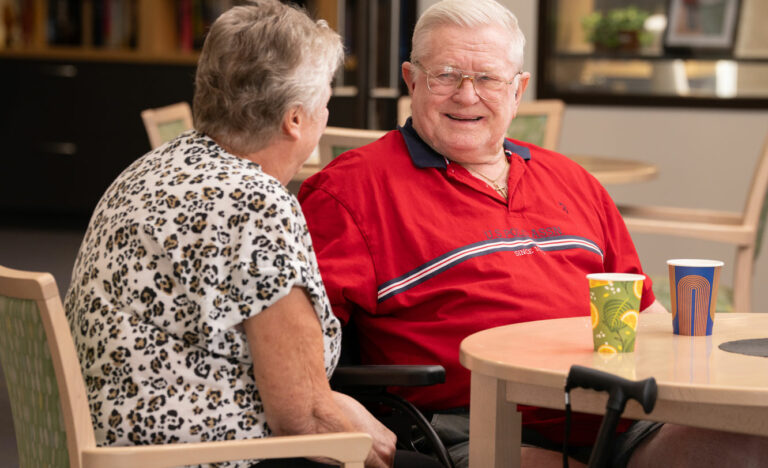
point(336, 140)
point(31, 301)
point(29, 372)
point(756, 206)
point(165, 123)
point(538, 122)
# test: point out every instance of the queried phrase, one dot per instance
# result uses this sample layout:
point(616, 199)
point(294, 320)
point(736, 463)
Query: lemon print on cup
point(606, 349)
point(630, 317)
point(614, 302)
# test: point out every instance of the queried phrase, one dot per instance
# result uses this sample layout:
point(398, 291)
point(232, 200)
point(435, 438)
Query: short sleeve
point(271, 258)
point(272, 253)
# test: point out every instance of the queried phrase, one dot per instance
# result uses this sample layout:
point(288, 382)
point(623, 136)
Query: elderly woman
point(196, 304)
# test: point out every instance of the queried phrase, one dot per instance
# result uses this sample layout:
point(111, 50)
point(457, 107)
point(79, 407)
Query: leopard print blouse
point(187, 243)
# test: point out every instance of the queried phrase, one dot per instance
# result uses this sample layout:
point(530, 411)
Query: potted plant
point(620, 29)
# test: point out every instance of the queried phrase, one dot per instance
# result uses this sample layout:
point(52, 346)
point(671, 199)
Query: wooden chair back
point(333, 142)
point(50, 408)
point(165, 123)
point(336, 140)
point(744, 230)
point(536, 122)
point(48, 399)
point(756, 205)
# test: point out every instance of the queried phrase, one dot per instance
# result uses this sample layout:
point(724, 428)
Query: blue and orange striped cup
point(693, 287)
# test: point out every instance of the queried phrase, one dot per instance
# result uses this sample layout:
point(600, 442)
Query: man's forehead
point(486, 46)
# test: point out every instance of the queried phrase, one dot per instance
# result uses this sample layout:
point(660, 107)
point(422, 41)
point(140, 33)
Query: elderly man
point(443, 227)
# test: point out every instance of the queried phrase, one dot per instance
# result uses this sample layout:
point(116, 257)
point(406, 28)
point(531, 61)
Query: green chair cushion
point(170, 130)
point(38, 423)
point(528, 128)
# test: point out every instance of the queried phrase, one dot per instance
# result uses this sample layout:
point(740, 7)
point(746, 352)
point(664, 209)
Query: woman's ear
point(292, 122)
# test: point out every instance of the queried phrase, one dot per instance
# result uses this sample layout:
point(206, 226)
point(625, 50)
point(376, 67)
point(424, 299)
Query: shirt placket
point(515, 200)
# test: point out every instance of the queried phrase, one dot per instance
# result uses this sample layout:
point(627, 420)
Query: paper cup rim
point(695, 262)
point(615, 276)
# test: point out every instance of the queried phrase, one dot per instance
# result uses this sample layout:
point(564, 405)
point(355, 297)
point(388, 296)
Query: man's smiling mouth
point(463, 119)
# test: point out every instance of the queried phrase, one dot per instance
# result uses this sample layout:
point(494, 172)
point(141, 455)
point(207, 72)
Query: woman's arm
point(286, 344)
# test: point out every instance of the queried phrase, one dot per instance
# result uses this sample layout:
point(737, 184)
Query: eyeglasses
point(445, 80)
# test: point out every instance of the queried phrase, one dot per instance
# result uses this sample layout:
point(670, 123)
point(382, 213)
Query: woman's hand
point(383, 450)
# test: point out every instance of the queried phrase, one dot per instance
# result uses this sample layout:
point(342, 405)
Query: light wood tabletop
point(615, 170)
point(699, 384)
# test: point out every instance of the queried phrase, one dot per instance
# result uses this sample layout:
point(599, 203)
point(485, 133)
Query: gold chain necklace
point(502, 190)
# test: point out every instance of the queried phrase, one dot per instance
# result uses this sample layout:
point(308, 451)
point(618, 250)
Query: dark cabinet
point(69, 128)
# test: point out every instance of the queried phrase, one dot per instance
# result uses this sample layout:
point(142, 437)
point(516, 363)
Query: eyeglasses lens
point(447, 81)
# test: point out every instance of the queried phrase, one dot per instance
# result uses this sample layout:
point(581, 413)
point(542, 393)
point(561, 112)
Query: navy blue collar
point(423, 156)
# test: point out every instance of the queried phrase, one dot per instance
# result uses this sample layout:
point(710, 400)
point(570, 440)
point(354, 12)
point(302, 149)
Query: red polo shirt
point(424, 254)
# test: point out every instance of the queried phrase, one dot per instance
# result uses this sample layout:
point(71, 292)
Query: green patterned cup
point(614, 303)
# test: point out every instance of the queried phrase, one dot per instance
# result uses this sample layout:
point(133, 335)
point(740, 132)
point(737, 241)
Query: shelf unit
point(569, 68)
point(155, 35)
point(71, 113)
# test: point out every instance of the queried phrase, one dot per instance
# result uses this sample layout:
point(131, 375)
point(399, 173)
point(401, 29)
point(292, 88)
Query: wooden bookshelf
point(71, 119)
point(157, 31)
point(112, 30)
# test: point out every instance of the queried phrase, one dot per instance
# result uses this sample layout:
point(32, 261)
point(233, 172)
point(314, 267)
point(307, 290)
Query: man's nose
point(466, 91)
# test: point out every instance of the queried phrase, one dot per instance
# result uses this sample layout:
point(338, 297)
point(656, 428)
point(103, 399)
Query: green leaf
point(613, 310)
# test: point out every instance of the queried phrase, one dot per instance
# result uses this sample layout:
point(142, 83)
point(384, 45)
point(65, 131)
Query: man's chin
point(468, 153)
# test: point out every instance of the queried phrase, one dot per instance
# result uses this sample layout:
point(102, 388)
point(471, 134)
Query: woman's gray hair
point(259, 61)
point(468, 14)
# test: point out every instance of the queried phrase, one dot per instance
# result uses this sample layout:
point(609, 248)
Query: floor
point(51, 250)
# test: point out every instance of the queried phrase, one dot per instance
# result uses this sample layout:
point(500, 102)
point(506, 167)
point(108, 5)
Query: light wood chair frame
point(338, 137)
point(740, 229)
point(552, 108)
point(403, 109)
point(154, 118)
point(350, 449)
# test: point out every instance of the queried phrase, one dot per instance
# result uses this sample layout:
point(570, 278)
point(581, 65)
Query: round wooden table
point(699, 384)
point(616, 171)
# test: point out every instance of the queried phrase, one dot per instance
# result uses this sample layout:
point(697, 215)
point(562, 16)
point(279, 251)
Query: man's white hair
point(469, 14)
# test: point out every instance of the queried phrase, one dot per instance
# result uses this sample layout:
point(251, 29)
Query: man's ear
point(522, 83)
point(292, 123)
point(408, 76)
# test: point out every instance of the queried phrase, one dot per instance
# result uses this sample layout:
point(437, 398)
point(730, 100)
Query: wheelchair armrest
point(387, 375)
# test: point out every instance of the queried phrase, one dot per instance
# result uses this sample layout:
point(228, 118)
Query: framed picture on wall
point(700, 26)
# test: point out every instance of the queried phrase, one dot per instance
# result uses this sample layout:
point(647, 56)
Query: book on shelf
point(105, 24)
point(18, 23)
point(64, 25)
point(114, 23)
point(195, 18)
point(10, 26)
